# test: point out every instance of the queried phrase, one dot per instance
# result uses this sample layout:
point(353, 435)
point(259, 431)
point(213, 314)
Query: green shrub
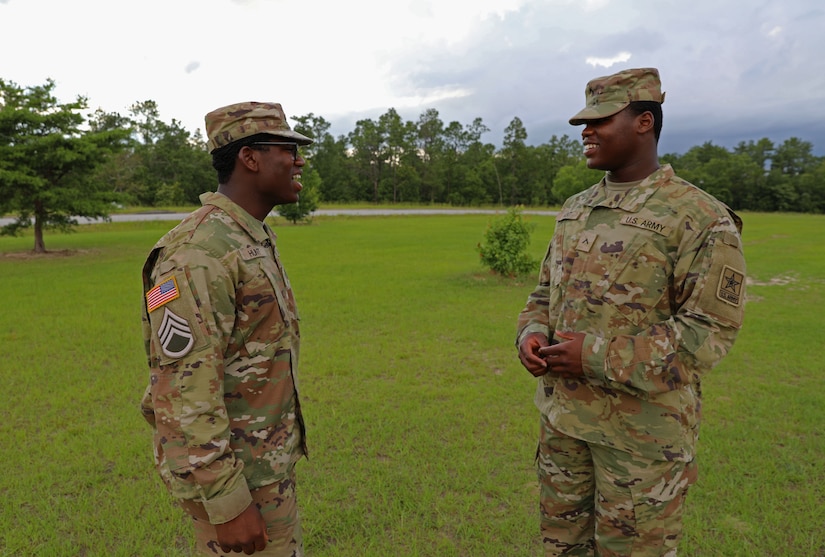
point(504, 249)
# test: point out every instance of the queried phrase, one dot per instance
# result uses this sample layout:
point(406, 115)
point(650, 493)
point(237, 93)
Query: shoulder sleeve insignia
point(730, 286)
point(162, 293)
point(175, 335)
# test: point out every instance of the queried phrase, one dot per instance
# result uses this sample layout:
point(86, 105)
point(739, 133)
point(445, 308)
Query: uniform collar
point(258, 230)
point(632, 199)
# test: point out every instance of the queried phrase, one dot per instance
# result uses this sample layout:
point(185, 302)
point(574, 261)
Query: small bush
point(301, 210)
point(504, 249)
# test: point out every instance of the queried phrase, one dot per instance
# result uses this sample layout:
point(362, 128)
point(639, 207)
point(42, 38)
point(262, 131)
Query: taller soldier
point(221, 334)
point(640, 294)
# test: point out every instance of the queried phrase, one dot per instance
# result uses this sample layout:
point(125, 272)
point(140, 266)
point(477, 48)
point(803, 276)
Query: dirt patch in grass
point(48, 254)
point(781, 280)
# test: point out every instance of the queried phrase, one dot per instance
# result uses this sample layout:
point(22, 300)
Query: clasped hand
point(538, 356)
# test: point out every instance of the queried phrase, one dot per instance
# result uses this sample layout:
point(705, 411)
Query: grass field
point(421, 425)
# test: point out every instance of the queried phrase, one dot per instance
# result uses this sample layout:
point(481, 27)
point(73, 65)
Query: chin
point(593, 164)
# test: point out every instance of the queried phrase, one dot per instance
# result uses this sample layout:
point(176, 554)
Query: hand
point(565, 358)
point(246, 533)
point(529, 354)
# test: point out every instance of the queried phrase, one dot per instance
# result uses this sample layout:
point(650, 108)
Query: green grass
point(325, 205)
point(421, 425)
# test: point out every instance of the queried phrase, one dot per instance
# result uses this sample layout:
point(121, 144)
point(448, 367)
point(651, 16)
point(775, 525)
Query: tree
point(730, 177)
point(430, 148)
point(812, 190)
point(46, 156)
point(172, 163)
point(761, 152)
point(399, 149)
point(552, 156)
point(573, 178)
point(794, 157)
point(512, 156)
point(481, 182)
point(329, 159)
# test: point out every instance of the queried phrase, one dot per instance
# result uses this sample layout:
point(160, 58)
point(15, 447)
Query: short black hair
point(655, 108)
point(223, 158)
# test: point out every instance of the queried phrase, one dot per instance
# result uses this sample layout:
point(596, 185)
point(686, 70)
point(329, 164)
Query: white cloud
point(608, 62)
point(595, 5)
point(433, 96)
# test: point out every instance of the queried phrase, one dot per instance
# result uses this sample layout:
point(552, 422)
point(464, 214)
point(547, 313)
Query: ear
point(248, 157)
point(644, 122)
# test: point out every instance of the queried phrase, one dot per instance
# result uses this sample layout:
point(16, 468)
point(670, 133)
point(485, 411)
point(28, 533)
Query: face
point(610, 143)
point(280, 172)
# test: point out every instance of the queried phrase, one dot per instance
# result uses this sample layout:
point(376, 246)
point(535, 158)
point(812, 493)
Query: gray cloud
point(192, 66)
point(732, 71)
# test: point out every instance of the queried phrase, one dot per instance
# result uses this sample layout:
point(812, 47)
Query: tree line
point(58, 160)
point(390, 160)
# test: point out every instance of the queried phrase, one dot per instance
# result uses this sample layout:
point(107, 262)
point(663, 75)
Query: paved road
point(131, 217)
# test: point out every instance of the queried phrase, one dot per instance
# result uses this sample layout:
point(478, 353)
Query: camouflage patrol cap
point(236, 121)
point(606, 96)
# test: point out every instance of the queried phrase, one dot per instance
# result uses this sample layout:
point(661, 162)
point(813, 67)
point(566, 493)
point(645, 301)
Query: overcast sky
point(733, 70)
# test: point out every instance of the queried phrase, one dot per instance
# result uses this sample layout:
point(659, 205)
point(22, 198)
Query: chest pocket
point(626, 272)
point(259, 305)
point(281, 290)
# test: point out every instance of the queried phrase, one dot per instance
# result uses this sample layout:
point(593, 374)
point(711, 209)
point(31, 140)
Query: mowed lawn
point(422, 430)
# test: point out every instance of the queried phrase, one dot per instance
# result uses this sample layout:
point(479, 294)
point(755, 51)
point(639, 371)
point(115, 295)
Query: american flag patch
point(162, 293)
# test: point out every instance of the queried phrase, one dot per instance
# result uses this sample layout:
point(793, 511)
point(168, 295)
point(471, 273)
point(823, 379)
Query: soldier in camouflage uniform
point(221, 333)
point(640, 294)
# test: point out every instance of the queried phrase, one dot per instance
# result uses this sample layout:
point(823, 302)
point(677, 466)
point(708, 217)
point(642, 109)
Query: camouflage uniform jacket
point(220, 329)
point(654, 276)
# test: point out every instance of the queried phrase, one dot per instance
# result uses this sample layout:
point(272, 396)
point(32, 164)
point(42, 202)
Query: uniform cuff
point(530, 329)
point(594, 351)
point(226, 507)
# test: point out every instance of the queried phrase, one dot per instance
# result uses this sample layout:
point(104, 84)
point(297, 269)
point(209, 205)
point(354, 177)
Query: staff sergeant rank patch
point(175, 335)
point(730, 286)
point(161, 294)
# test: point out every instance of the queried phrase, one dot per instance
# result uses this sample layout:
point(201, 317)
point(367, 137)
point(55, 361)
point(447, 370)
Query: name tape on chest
point(647, 224)
point(252, 252)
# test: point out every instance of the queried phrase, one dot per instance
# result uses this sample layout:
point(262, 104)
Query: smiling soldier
point(221, 334)
point(643, 284)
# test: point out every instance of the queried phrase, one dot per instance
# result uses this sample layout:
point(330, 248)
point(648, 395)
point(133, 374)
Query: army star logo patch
point(730, 286)
point(175, 336)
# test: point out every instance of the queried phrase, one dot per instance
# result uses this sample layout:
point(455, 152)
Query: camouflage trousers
point(279, 508)
point(597, 501)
